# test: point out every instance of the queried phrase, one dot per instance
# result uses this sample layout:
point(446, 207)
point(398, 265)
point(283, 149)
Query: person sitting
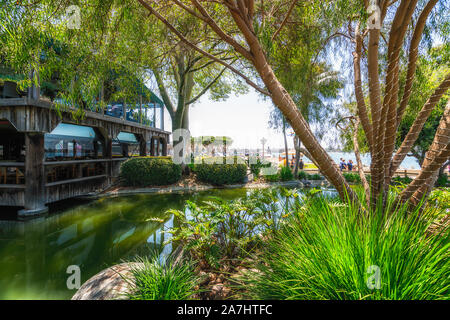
point(350, 165)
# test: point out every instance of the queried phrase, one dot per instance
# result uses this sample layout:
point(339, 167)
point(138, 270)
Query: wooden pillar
point(107, 154)
point(164, 147)
point(158, 146)
point(142, 145)
point(152, 147)
point(35, 197)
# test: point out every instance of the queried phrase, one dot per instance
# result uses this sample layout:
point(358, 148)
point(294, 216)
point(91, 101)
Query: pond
point(35, 255)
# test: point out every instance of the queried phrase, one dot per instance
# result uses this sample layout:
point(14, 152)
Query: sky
point(244, 118)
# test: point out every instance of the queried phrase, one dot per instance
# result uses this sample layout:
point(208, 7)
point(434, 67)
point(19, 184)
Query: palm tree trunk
point(362, 175)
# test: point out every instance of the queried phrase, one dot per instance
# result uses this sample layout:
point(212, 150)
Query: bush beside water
point(286, 174)
point(142, 172)
point(221, 174)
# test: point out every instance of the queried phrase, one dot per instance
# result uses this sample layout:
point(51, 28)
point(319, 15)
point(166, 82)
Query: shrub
point(315, 176)
point(163, 280)
point(255, 168)
point(149, 171)
point(286, 174)
point(220, 174)
point(272, 177)
point(219, 231)
point(442, 180)
point(302, 175)
point(331, 251)
point(401, 180)
point(352, 177)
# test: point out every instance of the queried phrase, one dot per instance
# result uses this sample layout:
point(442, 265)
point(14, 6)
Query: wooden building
point(39, 166)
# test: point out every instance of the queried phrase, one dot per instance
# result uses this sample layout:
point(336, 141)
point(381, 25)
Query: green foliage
point(220, 231)
point(442, 180)
point(155, 279)
point(256, 167)
point(286, 174)
point(440, 198)
point(273, 177)
point(352, 177)
point(220, 174)
point(302, 175)
point(315, 176)
point(144, 172)
point(401, 180)
point(326, 250)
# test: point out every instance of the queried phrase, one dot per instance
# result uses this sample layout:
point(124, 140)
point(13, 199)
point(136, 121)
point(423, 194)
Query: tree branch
point(413, 54)
point(291, 8)
point(205, 89)
point(164, 94)
point(360, 99)
point(227, 38)
point(206, 54)
point(418, 124)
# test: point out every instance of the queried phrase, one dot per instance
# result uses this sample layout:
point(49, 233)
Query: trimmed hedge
point(142, 172)
point(220, 174)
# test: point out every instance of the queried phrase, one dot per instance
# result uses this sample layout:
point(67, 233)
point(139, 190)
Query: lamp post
point(263, 141)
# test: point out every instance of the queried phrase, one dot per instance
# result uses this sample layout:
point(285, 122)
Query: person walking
point(301, 165)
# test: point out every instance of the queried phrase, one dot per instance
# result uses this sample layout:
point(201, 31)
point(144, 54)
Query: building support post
point(164, 150)
point(108, 155)
point(35, 197)
point(152, 147)
point(142, 145)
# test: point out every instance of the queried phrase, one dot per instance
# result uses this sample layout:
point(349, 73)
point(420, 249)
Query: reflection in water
point(34, 255)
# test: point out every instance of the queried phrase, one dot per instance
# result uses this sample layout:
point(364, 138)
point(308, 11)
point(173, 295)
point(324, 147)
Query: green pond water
point(35, 255)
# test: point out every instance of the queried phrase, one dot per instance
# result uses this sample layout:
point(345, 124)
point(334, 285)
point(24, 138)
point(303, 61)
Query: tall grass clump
point(286, 174)
point(332, 250)
point(155, 279)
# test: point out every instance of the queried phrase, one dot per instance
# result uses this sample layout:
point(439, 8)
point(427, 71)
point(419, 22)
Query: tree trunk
point(297, 146)
point(437, 155)
point(362, 175)
point(285, 142)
